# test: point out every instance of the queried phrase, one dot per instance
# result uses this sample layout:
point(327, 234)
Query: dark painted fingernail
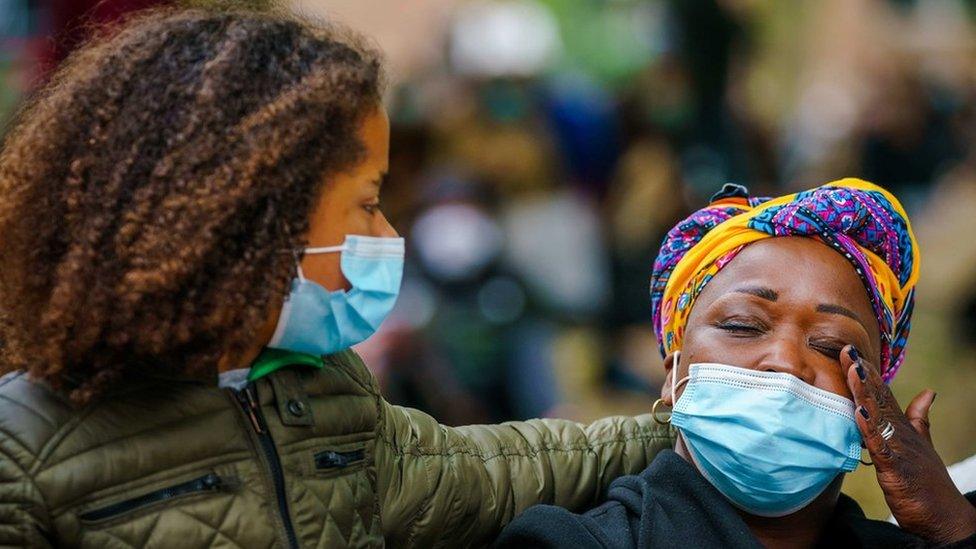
point(864, 412)
point(852, 352)
point(860, 371)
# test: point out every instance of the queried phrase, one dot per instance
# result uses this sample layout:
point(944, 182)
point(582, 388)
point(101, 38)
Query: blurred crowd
point(538, 160)
point(538, 165)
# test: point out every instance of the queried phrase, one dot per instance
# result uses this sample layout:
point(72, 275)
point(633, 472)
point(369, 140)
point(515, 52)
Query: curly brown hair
point(148, 192)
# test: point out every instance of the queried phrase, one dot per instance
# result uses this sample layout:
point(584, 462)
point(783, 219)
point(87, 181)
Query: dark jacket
point(671, 505)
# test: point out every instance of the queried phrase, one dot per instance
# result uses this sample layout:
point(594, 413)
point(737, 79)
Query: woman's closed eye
point(830, 348)
point(742, 327)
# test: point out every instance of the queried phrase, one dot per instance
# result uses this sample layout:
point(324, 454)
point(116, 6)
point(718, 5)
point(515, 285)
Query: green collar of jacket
point(271, 360)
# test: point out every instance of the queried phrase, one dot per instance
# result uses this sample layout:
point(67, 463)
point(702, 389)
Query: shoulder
point(349, 364)
point(38, 424)
point(551, 526)
point(31, 415)
point(346, 383)
point(610, 524)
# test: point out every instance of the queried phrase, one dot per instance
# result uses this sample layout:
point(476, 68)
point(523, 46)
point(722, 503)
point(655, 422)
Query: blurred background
point(542, 148)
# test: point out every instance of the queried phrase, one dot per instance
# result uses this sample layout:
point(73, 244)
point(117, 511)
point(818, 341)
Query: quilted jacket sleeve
point(22, 511)
point(459, 486)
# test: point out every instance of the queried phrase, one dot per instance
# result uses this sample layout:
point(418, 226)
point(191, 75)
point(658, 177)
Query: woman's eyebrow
point(379, 181)
point(839, 310)
point(759, 291)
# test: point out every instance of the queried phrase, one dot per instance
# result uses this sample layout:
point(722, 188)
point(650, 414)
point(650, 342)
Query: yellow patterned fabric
point(860, 220)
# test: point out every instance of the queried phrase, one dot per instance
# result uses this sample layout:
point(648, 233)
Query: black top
point(671, 505)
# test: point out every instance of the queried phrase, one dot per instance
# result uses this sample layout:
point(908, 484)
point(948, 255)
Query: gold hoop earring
point(657, 403)
point(866, 463)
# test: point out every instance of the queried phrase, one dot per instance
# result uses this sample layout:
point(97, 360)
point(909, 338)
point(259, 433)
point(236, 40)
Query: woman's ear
point(669, 363)
point(671, 360)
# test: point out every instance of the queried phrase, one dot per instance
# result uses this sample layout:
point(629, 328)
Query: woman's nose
point(786, 355)
point(383, 228)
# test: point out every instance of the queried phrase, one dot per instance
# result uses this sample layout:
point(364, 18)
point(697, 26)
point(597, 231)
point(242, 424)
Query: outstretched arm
point(460, 486)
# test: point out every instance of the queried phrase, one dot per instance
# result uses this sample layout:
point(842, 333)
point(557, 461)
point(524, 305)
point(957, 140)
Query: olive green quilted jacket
point(301, 458)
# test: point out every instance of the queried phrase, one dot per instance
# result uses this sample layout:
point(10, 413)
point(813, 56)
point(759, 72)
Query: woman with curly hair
point(190, 242)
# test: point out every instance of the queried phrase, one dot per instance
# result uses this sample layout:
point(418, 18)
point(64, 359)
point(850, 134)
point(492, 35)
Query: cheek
point(326, 270)
point(710, 345)
point(833, 379)
point(343, 222)
point(357, 221)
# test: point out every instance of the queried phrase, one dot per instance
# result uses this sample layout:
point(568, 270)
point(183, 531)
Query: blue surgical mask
point(767, 441)
point(315, 321)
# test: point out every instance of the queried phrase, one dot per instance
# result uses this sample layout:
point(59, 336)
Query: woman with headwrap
point(781, 321)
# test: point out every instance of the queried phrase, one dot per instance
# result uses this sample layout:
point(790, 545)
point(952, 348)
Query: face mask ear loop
point(298, 266)
point(674, 386)
point(320, 250)
point(679, 383)
point(327, 249)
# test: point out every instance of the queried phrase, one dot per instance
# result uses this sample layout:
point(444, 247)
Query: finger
point(872, 417)
point(865, 413)
point(857, 383)
point(866, 406)
point(875, 388)
point(854, 384)
point(917, 412)
point(876, 445)
point(849, 355)
point(859, 380)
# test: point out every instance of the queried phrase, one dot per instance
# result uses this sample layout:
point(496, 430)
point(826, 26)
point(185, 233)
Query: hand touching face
point(915, 482)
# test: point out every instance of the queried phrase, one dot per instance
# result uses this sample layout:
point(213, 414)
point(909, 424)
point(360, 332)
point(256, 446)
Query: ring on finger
point(887, 431)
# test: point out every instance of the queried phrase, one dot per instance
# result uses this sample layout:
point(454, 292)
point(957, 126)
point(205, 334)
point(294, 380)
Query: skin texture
point(793, 305)
point(349, 204)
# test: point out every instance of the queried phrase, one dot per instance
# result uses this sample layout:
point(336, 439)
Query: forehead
point(803, 271)
point(375, 134)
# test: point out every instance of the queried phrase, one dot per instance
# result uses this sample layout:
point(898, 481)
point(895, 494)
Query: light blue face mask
point(315, 321)
point(769, 442)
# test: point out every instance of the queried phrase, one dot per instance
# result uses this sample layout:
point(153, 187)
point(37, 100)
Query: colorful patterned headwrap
point(860, 220)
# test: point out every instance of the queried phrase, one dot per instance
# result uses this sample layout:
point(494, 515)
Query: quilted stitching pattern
point(347, 504)
point(204, 522)
point(336, 510)
point(329, 509)
point(439, 486)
